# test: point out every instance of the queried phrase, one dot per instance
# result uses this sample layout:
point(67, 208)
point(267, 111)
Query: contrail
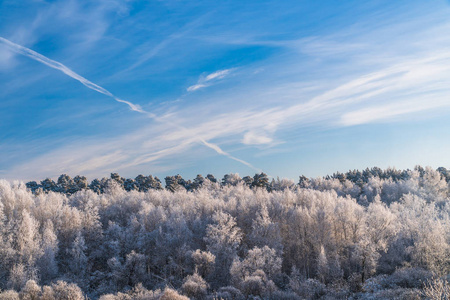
point(59, 66)
point(221, 152)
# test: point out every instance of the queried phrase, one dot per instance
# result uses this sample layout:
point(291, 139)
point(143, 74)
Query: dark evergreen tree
point(48, 185)
point(211, 178)
point(248, 181)
point(81, 183)
point(198, 182)
point(260, 180)
point(130, 185)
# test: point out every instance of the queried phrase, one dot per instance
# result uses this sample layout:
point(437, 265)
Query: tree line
point(68, 185)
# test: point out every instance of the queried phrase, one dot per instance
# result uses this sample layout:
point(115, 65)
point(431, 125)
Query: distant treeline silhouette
point(68, 185)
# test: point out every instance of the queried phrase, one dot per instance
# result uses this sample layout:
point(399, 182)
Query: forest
point(371, 234)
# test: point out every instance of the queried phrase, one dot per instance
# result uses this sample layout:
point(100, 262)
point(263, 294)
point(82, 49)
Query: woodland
point(371, 234)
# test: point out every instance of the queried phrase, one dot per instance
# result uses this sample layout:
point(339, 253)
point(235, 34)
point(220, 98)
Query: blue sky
point(286, 87)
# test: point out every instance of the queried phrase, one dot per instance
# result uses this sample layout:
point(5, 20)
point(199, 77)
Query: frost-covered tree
point(78, 265)
point(31, 291)
point(47, 263)
point(28, 239)
point(231, 179)
point(322, 265)
point(258, 259)
point(204, 262)
point(281, 184)
point(437, 289)
point(19, 275)
point(222, 239)
point(62, 290)
point(265, 232)
point(195, 287)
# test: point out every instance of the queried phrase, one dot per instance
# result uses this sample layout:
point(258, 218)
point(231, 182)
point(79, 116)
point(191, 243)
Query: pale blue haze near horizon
point(288, 87)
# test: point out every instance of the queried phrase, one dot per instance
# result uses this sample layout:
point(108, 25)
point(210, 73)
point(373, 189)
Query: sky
point(171, 87)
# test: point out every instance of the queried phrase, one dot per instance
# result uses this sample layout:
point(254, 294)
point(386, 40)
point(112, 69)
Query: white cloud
point(391, 112)
point(196, 87)
point(217, 75)
point(205, 81)
point(251, 138)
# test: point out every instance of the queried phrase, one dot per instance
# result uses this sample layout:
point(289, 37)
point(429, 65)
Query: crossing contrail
point(89, 84)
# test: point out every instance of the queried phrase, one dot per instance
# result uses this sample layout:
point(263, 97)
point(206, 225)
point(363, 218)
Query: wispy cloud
point(411, 86)
point(205, 81)
point(59, 66)
point(152, 149)
point(252, 138)
point(196, 87)
point(392, 112)
point(150, 50)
